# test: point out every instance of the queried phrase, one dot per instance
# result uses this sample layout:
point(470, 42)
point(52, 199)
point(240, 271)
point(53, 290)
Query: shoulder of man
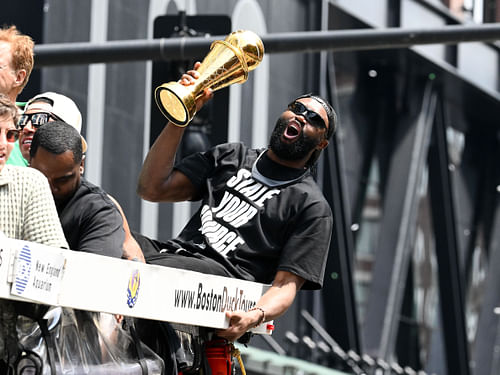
point(237, 149)
point(310, 194)
point(227, 147)
point(24, 178)
point(27, 173)
point(89, 201)
point(87, 188)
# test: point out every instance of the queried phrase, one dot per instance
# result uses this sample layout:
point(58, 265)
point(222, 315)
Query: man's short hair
point(7, 108)
point(330, 112)
point(57, 137)
point(21, 48)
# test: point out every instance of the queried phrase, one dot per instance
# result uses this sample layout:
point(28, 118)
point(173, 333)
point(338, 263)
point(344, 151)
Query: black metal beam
point(400, 211)
point(450, 278)
point(488, 335)
point(338, 292)
point(487, 236)
point(341, 318)
point(311, 41)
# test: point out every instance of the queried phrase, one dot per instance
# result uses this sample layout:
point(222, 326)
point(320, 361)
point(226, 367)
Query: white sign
point(34, 272)
point(37, 274)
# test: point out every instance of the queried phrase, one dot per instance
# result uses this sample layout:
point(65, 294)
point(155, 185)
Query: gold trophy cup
point(228, 62)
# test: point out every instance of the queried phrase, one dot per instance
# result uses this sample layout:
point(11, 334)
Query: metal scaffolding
point(311, 41)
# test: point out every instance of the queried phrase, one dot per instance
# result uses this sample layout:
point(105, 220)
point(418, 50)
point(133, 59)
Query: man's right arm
point(158, 181)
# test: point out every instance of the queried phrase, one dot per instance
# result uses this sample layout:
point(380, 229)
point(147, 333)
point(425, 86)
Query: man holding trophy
point(262, 217)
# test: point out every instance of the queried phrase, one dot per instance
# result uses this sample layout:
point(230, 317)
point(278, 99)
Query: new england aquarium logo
point(133, 288)
point(23, 269)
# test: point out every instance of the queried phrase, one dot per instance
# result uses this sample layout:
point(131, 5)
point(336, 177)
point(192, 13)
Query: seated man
point(47, 108)
point(27, 212)
point(90, 220)
point(92, 223)
point(262, 217)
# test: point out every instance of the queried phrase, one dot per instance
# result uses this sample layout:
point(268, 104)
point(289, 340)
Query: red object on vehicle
point(218, 354)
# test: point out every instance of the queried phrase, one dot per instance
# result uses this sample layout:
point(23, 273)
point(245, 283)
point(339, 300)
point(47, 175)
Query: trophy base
point(175, 103)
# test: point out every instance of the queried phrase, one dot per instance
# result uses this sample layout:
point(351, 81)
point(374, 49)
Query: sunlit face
point(61, 171)
point(28, 131)
point(297, 135)
point(6, 145)
point(9, 83)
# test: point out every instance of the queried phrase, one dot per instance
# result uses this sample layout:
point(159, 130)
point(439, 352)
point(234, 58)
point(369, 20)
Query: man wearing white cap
point(43, 108)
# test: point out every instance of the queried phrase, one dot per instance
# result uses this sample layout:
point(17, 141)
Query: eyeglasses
point(312, 117)
point(37, 119)
point(12, 135)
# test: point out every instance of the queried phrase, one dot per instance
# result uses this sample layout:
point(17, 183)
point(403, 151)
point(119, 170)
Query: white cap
point(63, 108)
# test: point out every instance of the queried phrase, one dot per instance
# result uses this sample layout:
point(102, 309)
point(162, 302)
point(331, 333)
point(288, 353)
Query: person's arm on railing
point(274, 303)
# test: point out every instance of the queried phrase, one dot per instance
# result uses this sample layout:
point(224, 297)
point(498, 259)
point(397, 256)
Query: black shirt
point(92, 223)
point(252, 229)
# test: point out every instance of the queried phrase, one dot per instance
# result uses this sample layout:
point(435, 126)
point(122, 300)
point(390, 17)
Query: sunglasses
point(12, 135)
point(312, 117)
point(37, 119)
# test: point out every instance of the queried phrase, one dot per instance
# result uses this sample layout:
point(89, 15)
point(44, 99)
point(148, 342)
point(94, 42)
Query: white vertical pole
point(247, 14)
point(150, 211)
point(96, 95)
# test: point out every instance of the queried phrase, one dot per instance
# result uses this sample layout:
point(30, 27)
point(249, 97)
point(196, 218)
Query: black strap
point(207, 370)
point(172, 343)
point(138, 348)
point(50, 345)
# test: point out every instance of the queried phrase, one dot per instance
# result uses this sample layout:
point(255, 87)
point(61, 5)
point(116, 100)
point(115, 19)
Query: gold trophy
point(228, 62)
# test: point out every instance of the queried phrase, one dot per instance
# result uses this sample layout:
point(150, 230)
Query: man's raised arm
point(158, 181)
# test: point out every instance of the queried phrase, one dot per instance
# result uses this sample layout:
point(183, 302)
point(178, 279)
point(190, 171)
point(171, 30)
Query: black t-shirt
point(92, 223)
point(252, 229)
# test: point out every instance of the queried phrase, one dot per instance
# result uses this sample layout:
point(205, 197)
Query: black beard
point(290, 151)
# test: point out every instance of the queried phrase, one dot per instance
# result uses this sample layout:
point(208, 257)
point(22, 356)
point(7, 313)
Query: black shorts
point(169, 255)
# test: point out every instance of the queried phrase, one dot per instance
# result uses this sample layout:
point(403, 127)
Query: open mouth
point(292, 130)
point(27, 142)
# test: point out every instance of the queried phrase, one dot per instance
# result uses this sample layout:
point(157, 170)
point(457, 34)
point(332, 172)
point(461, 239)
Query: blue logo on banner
point(23, 269)
point(133, 288)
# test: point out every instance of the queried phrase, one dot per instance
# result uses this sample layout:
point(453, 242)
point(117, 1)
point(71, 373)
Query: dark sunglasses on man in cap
point(37, 119)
